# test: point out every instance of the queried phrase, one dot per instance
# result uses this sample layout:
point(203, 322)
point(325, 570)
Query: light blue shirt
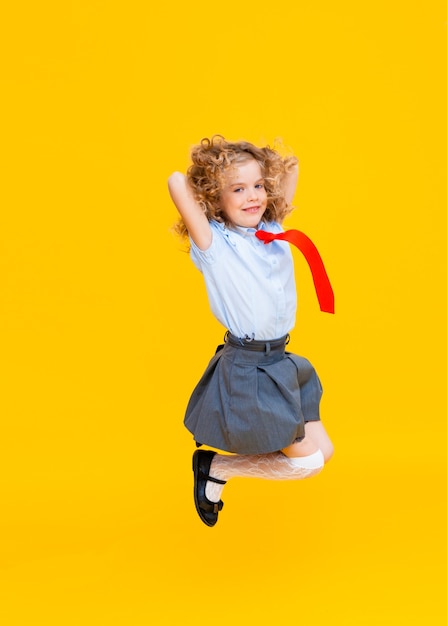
point(250, 285)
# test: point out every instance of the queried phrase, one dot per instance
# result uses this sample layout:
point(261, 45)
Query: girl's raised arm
point(192, 214)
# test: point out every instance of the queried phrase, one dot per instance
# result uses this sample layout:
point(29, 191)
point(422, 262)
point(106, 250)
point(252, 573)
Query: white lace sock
point(274, 466)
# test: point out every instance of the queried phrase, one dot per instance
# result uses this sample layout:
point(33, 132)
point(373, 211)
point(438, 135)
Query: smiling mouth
point(252, 209)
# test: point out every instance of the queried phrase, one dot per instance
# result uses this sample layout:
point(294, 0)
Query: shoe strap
point(212, 479)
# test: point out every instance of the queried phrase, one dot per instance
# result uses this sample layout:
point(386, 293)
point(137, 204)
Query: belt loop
point(267, 348)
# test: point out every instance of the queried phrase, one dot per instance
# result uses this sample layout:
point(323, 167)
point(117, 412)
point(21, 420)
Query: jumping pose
point(255, 400)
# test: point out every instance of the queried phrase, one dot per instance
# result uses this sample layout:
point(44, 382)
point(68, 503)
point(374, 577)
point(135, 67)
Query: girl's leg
point(316, 439)
point(317, 432)
point(299, 460)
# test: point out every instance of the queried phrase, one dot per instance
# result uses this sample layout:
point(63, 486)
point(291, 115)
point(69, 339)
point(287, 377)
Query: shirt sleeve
point(208, 256)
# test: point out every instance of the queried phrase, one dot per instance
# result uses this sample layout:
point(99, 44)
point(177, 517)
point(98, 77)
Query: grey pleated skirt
point(253, 398)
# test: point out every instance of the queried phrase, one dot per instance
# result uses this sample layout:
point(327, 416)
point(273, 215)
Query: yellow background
point(101, 101)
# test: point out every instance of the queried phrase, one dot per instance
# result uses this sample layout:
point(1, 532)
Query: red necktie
point(322, 284)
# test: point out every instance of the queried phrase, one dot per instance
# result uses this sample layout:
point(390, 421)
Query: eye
point(238, 189)
point(260, 186)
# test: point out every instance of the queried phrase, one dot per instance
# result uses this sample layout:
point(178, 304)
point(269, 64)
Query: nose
point(252, 193)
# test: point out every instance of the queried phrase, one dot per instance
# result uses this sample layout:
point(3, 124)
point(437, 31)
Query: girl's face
point(243, 198)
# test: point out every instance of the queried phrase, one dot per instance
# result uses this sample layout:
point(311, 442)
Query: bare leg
point(316, 439)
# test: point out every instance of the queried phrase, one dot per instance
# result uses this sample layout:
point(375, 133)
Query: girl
point(255, 399)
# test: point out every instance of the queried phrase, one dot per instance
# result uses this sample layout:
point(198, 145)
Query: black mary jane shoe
point(208, 511)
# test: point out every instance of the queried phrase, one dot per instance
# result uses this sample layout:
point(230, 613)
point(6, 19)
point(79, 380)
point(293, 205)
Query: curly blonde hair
point(211, 161)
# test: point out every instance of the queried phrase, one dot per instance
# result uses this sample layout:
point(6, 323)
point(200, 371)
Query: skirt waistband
point(255, 345)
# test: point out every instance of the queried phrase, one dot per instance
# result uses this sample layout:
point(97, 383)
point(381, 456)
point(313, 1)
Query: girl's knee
point(316, 432)
point(316, 439)
point(328, 451)
point(301, 448)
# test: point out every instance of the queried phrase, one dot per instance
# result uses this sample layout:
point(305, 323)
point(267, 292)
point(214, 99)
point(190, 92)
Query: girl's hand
point(290, 179)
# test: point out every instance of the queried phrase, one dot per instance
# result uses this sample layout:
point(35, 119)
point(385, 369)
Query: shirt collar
point(247, 232)
point(231, 231)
